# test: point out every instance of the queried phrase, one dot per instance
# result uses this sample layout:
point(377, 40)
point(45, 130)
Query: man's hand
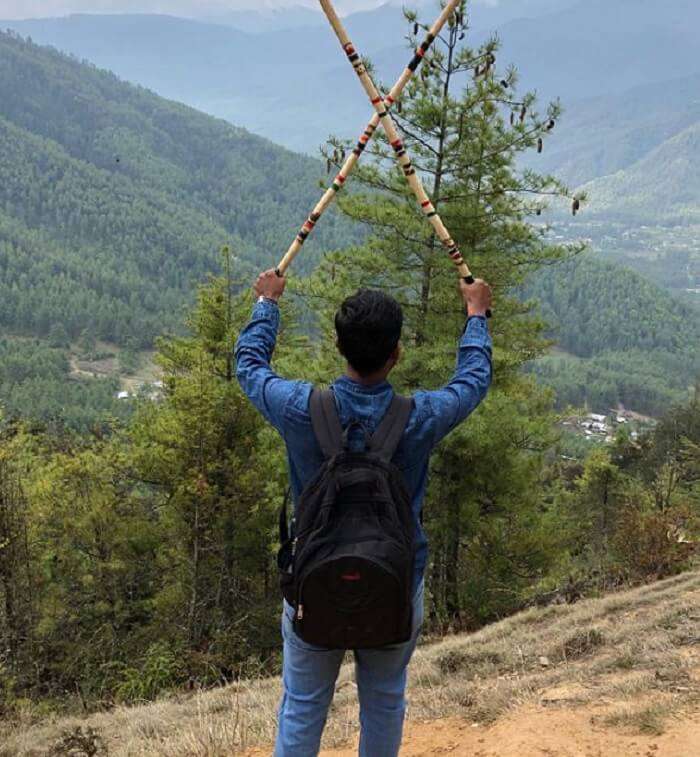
point(477, 297)
point(270, 285)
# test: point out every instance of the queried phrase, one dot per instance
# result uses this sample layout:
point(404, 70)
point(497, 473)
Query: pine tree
point(217, 472)
point(16, 585)
point(456, 120)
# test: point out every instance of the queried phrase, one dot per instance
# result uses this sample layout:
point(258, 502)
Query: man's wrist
point(265, 298)
point(472, 312)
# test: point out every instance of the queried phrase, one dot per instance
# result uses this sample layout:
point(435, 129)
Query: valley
point(628, 137)
point(150, 167)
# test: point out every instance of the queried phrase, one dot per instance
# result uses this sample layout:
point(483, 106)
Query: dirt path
point(541, 732)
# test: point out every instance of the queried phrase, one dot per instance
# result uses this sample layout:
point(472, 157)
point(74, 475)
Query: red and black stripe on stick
point(397, 144)
point(366, 136)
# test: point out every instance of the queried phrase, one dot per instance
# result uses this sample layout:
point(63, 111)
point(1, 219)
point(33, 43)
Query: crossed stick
point(381, 116)
point(382, 106)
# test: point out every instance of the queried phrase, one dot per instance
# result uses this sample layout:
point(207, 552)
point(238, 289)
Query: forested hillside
point(663, 186)
point(626, 73)
point(35, 383)
point(114, 202)
point(621, 339)
point(139, 558)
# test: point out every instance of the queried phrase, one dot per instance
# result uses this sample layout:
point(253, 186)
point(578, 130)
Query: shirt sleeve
point(256, 344)
point(449, 406)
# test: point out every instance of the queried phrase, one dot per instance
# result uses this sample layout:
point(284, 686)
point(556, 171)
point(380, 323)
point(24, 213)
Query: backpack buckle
point(346, 435)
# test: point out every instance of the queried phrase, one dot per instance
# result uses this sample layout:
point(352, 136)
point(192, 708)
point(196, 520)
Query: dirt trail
point(543, 732)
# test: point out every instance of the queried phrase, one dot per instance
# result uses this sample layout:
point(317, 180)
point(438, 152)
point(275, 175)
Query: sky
point(13, 9)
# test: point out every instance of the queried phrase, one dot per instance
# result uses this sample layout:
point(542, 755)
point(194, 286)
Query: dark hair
point(369, 326)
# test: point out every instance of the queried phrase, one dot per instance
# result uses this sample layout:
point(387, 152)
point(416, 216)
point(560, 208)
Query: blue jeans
point(309, 676)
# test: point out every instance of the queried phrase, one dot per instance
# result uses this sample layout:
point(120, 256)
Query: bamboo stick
point(356, 154)
point(396, 142)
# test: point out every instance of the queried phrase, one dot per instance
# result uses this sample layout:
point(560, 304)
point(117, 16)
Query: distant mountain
point(484, 13)
point(254, 21)
point(661, 187)
point(114, 202)
point(599, 47)
point(602, 135)
point(277, 81)
point(266, 82)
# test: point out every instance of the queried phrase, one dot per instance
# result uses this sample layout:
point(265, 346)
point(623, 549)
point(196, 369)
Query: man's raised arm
point(470, 383)
point(256, 343)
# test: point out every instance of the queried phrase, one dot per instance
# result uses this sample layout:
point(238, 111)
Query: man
point(368, 327)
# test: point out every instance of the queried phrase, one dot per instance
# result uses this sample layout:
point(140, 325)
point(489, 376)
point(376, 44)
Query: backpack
point(347, 567)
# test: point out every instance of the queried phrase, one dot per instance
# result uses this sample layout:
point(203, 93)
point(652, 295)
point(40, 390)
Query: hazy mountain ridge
point(663, 186)
point(600, 136)
point(262, 85)
point(263, 81)
point(600, 47)
point(266, 20)
point(114, 202)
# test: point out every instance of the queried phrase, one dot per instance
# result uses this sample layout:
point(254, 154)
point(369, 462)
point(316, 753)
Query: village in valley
point(603, 429)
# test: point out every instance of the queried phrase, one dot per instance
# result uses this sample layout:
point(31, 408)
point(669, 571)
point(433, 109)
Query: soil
point(543, 732)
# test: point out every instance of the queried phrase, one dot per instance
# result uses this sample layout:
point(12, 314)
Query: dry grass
point(636, 655)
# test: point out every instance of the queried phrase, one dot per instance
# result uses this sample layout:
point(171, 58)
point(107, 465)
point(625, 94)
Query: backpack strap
point(387, 437)
point(285, 534)
point(325, 422)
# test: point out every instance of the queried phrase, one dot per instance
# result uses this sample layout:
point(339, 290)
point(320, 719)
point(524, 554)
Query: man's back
point(368, 326)
point(435, 413)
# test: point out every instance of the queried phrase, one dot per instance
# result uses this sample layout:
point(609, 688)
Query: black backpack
point(347, 567)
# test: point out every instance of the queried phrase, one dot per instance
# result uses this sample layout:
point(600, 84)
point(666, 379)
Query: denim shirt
point(285, 404)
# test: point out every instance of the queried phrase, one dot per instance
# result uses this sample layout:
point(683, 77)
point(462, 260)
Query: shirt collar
point(345, 382)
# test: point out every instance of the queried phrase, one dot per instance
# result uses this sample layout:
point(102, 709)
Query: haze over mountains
point(628, 76)
point(275, 86)
point(277, 11)
point(626, 71)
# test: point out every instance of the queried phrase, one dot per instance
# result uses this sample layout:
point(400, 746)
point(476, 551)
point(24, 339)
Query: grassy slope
point(638, 652)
